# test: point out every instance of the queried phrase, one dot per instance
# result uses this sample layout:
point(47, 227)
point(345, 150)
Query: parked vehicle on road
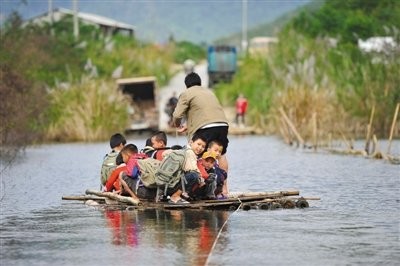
point(222, 63)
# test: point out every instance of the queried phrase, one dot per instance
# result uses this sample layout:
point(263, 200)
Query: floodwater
point(356, 222)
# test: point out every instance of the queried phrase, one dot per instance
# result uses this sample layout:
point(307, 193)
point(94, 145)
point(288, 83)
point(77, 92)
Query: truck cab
point(143, 102)
point(222, 63)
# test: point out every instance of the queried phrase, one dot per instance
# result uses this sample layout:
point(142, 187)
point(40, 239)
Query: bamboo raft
point(287, 199)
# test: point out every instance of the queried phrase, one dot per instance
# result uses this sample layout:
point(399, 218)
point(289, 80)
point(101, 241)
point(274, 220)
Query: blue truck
point(222, 64)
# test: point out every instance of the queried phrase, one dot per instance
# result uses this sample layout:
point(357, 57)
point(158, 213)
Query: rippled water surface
point(356, 222)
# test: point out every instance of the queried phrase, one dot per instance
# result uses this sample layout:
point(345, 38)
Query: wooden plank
point(83, 197)
point(235, 200)
point(264, 193)
point(113, 196)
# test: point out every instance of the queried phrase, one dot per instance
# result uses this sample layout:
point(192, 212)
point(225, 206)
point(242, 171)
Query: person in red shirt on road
point(241, 108)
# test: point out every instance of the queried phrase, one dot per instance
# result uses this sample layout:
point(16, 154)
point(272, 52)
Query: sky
point(156, 20)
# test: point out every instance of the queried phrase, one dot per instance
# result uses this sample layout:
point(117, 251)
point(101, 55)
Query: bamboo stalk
point(396, 112)
point(330, 140)
point(113, 196)
point(348, 144)
point(377, 154)
point(292, 127)
point(266, 194)
point(291, 198)
point(368, 138)
point(374, 144)
point(314, 120)
point(284, 131)
point(82, 197)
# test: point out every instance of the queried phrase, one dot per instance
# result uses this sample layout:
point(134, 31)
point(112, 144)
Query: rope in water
point(219, 233)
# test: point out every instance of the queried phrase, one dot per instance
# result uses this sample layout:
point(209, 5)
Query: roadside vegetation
point(56, 88)
point(318, 74)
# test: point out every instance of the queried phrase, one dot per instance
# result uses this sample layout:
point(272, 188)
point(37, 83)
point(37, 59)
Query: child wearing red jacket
point(129, 178)
point(208, 182)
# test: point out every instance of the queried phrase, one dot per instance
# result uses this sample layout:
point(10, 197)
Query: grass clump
point(87, 111)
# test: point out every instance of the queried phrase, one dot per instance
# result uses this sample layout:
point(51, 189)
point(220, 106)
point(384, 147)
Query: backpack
point(109, 164)
point(148, 168)
point(170, 171)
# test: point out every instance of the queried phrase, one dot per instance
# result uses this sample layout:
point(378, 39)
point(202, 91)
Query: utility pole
point(51, 18)
point(244, 26)
point(76, 22)
point(51, 12)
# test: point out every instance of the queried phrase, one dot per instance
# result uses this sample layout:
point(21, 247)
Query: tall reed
point(88, 111)
point(340, 84)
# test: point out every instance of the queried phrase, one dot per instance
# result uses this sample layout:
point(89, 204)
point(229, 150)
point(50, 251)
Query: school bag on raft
point(148, 168)
point(109, 164)
point(171, 171)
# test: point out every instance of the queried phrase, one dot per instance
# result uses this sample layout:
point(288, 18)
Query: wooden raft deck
point(287, 199)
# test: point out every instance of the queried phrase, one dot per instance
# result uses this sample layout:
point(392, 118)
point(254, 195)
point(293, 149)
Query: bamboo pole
point(314, 120)
point(375, 147)
point(113, 196)
point(377, 154)
point(348, 144)
point(368, 138)
point(292, 127)
point(330, 140)
point(264, 194)
point(83, 197)
point(284, 131)
point(291, 198)
point(396, 112)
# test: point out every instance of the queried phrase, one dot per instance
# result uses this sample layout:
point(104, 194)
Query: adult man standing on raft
point(203, 113)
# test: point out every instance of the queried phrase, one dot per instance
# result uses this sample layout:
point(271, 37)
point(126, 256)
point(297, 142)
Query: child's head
point(208, 159)
point(117, 141)
point(216, 147)
point(148, 143)
point(159, 140)
point(198, 144)
point(128, 151)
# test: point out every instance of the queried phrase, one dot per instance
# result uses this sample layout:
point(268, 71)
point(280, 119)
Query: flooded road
point(356, 222)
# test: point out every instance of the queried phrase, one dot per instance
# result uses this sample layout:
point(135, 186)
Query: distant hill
point(198, 21)
point(270, 28)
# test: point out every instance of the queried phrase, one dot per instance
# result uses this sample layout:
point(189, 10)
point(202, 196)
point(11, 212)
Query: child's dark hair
point(129, 148)
point(199, 136)
point(116, 140)
point(160, 136)
point(192, 79)
point(119, 160)
point(214, 141)
point(148, 143)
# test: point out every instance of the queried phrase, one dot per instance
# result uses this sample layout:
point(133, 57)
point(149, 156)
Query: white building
point(106, 25)
point(261, 45)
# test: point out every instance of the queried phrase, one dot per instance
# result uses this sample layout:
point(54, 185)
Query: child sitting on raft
point(221, 191)
point(129, 179)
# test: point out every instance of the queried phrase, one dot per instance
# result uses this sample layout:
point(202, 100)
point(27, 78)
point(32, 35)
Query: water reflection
point(191, 232)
